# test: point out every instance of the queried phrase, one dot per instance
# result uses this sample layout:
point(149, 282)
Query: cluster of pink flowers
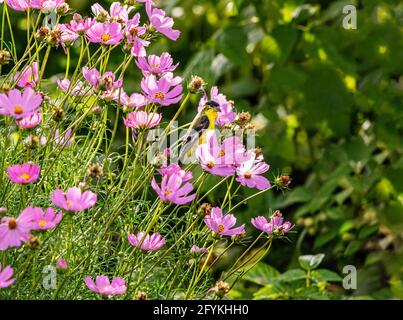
point(15, 231)
point(175, 186)
point(229, 157)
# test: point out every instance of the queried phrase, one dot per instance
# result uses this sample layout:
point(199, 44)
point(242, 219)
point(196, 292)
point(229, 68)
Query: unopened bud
point(5, 88)
point(196, 84)
point(83, 186)
point(3, 211)
point(58, 114)
point(221, 288)
point(283, 182)
point(127, 47)
point(205, 209)
point(95, 171)
point(33, 242)
point(243, 118)
point(5, 57)
point(141, 295)
point(63, 9)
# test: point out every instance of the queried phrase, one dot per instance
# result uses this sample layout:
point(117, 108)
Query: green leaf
point(367, 231)
point(325, 237)
point(310, 262)
point(232, 42)
point(325, 275)
point(261, 274)
point(292, 275)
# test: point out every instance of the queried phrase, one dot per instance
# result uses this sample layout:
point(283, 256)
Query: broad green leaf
point(292, 275)
point(310, 262)
point(325, 275)
point(261, 274)
point(232, 42)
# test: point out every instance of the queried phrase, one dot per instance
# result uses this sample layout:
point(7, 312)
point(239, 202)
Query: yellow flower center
point(222, 153)
point(134, 32)
point(69, 203)
point(18, 109)
point(247, 175)
point(25, 176)
point(167, 193)
point(12, 223)
point(106, 37)
point(160, 96)
point(154, 66)
point(210, 164)
point(42, 223)
point(220, 228)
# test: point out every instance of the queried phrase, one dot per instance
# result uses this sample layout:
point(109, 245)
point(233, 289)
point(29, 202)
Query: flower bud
point(196, 84)
point(58, 114)
point(83, 186)
point(258, 152)
point(61, 264)
point(63, 9)
point(42, 33)
point(5, 57)
point(33, 141)
point(282, 182)
point(55, 37)
point(5, 88)
point(33, 242)
point(221, 288)
point(3, 211)
point(243, 118)
point(141, 295)
point(127, 47)
point(95, 171)
point(205, 209)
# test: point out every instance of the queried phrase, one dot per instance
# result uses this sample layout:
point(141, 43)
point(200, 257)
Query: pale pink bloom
point(80, 25)
point(105, 33)
point(223, 224)
point(134, 101)
point(226, 115)
point(28, 77)
point(164, 91)
point(62, 264)
point(142, 120)
point(103, 286)
point(24, 174)
point(105, 82)
point(173, 168)
point(117, 12)
point(163, 24)
point(30, 121)
point(275, 225)
point(15, 231)
point(6, 277)
point(197, 250)
point(45, 5)
point(45, 220)
point(156, 65)
point(78, 90)
point(149, 5)
point(249, 173)
point(133, 33)
point(74, 199)
point(146, 242)
point(64, 140)
point(20, 105)
point(218, 159)
point(18, 5)
point(67, 36)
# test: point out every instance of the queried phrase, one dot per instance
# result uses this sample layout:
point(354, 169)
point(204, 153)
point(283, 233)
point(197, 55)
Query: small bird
point(204, 121)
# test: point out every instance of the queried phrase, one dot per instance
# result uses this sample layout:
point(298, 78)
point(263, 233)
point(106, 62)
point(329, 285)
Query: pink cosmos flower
point(78, 90)
point(135, 101)
point(171, 185)
point(160, 91)
point(67, 36)
point(223, 224)
point(103, 286)
point(23, 174)
point(219, 159)
point(30, 121)
point(226, 114)
point(197, 250)
point(6, 277)
point(105, 33)
point(156, 65)
point(142, 120)
point(18, 5)
point(275, 225)
point(149, 5)
point(62, 264)
point(15, 231)
point(45, 5)
point(163, 24)
point(249, 173)
point(133, 33)
point(64, 140)
point(80, 25)
point(28, 77)
point(74, 199)
point(117, 12)
point(45, 220)
point(105, 82)
point(20, 105)
point(147, 243)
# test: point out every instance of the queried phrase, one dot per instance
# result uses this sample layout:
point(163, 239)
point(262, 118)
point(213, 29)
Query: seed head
point(196, 84)
point(95, 171)
point(205, 209)
point(243, 118)
point(5, 57)
point(141, 295)
point(33, 242)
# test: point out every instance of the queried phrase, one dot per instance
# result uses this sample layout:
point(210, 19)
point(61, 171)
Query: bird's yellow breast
point(212, 117)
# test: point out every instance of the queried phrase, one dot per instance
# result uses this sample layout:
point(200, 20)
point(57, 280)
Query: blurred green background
point(328, 105)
